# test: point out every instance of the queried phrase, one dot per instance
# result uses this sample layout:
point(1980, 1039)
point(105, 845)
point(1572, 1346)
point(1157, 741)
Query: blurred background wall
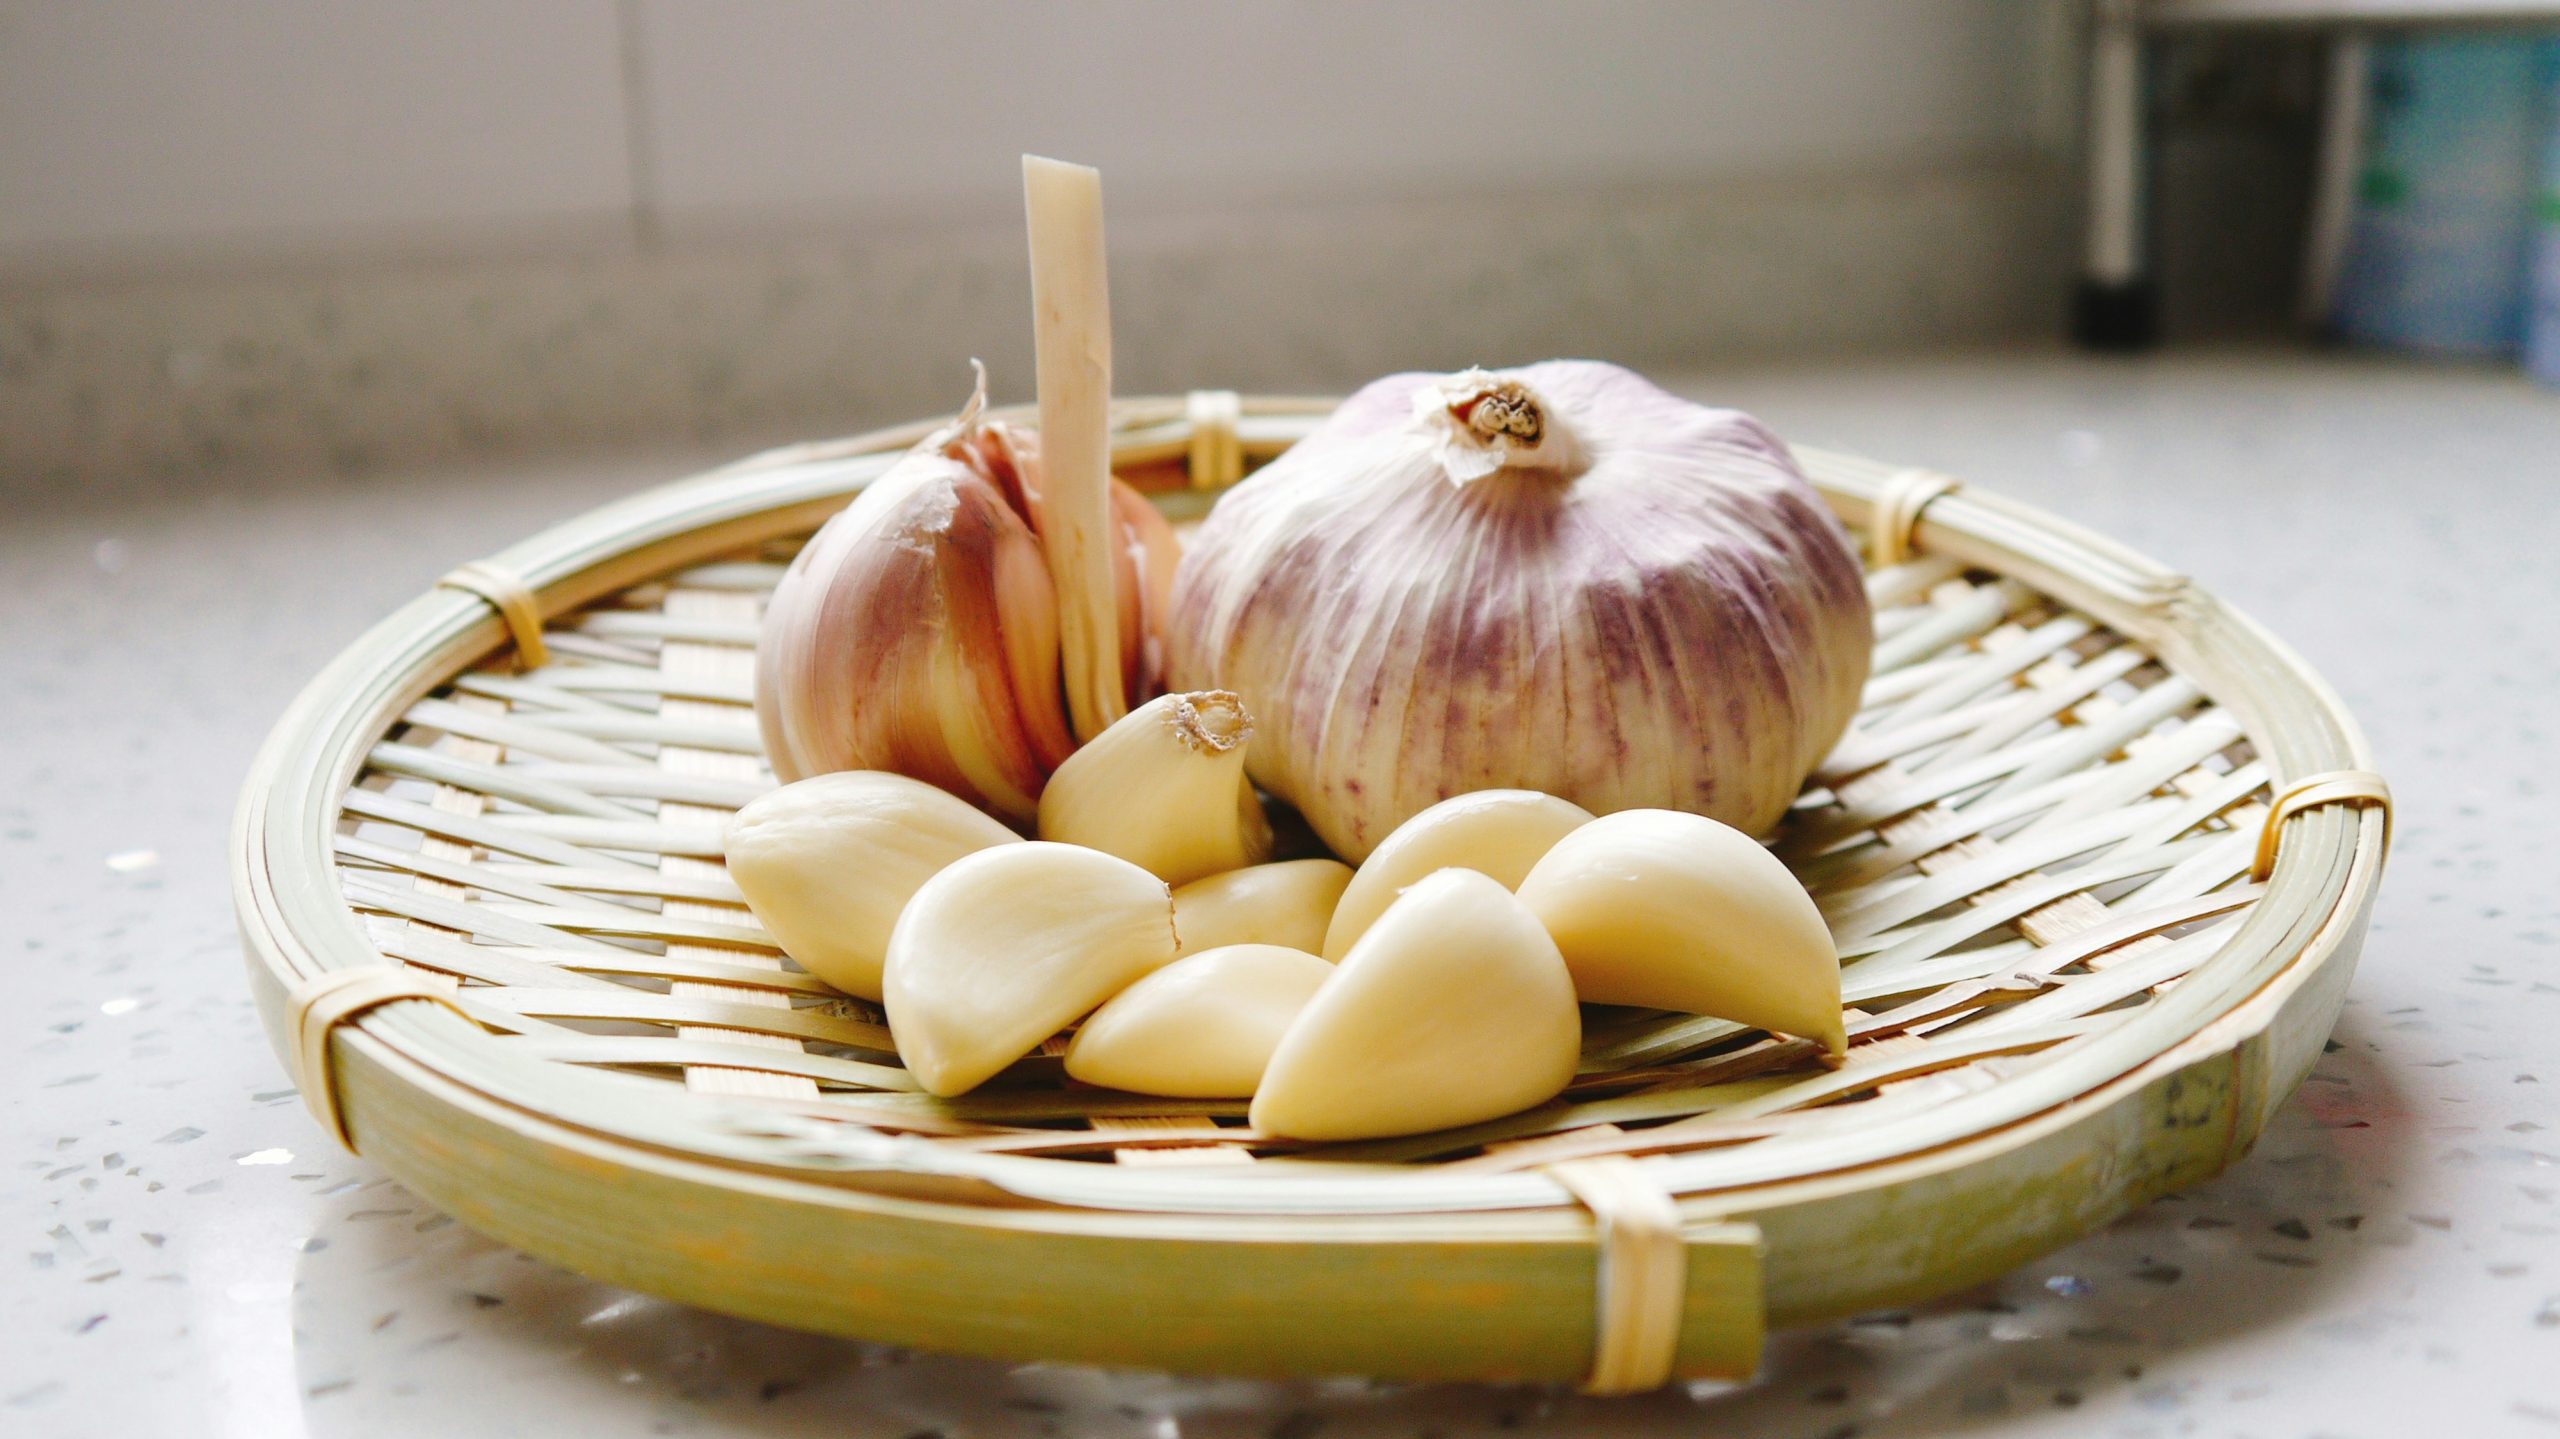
point(288, 232)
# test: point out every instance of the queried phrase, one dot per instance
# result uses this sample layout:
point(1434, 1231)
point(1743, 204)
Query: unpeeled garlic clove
point(918, 630)
point(1289, 903)
point(1008, 946)
point(827, 863)
point(1454, 1007)
point(1498, 833)
point(1675, 911)
point(1202, 1027)
point(1164, 788)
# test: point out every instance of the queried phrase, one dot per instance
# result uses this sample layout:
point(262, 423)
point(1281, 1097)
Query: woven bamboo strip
point(706, 681)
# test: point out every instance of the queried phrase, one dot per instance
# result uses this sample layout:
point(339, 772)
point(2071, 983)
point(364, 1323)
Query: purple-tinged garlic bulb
point(1558, 578)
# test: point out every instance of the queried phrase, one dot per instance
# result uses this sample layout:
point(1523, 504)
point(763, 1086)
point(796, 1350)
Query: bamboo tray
point(2099, 853)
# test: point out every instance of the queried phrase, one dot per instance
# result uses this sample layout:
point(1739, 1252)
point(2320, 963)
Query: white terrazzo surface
point(185, 1254)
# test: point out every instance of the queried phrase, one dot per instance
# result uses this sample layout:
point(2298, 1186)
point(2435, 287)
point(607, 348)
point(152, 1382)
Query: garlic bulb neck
point(1482, 422)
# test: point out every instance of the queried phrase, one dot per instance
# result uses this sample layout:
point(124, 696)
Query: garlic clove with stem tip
point(827, 863)
point(1008, 946)
point(1675, 911)
point(1164, 788)
point(1202, 1027)
point(1455, 1007)
point(1498, 833)
point(1289, 903)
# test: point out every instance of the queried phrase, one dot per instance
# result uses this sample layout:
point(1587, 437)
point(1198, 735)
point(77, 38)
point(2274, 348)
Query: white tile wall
point(170, 124)
point(810, 104)
point(177, 129)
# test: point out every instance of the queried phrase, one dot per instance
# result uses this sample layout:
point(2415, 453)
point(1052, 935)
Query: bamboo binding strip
point(514, 601)
point(2342, 786)
point(1644, 1270)
point(1897, 513)
point(320, 1004)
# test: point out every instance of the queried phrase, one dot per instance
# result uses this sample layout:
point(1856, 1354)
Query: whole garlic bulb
point(917, 632)
point(1557, 578)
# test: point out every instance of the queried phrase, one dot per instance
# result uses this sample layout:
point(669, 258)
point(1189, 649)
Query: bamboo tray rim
point(298, 926)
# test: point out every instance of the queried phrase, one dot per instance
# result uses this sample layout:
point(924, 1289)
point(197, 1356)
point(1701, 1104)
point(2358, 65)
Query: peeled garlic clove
point(1288, 904)
point(1455, 1007)
point(1556, 578)
point(1164, 788)
point(1498, 833)
point(827, 863)
point(1675, 911)
point(1202, 1027)
point(1008, 946)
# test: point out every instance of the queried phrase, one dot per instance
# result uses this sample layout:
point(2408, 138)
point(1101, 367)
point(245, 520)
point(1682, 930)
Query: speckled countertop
point(185, 1254)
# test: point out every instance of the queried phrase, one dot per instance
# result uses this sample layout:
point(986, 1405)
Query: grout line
point(639, 148)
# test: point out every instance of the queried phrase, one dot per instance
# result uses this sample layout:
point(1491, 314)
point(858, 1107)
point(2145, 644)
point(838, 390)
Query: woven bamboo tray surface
point(2038, 849)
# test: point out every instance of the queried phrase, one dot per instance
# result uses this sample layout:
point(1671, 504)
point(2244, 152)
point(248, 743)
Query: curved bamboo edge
point(2209, 1075)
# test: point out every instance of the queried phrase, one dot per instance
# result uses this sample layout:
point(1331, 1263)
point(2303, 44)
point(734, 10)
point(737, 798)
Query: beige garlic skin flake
point(1165, 789)
point(1455, 1007)
point(827, 863)
point(1675, 911)
point(1290, 903)
point(1498, 833)
point(1010, 945)
point(1202, 1027)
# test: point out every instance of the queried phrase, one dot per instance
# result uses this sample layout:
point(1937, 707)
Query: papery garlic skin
point(1498, 833)
point(827, 863)
point(1164, 788)
point(1290, 904)
point(917, 631)
point(1202, 1027)
point(1675, 911)
point(1008, 946)
point(1455, 1007)
point(1558, 578)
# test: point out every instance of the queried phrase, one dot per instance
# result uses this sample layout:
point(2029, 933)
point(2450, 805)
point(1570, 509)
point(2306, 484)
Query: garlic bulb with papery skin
point(1557, 578)
point(917, 631)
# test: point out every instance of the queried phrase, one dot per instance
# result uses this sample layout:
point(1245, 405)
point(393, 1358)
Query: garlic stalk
point(1165, 789)
point(917, 631)
point(1557, 578)
point(826, 864)
point(1071, 334)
